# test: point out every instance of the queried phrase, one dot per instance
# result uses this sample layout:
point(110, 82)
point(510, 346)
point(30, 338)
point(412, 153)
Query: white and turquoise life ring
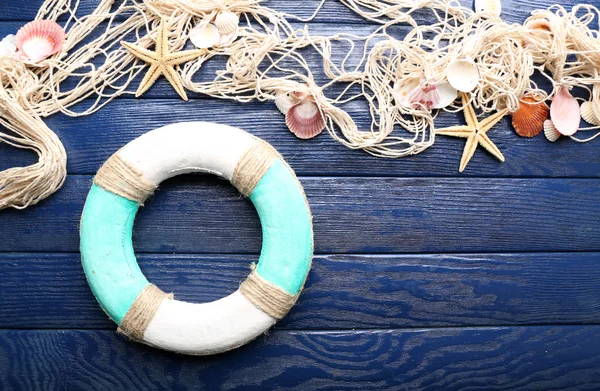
point(145, 313)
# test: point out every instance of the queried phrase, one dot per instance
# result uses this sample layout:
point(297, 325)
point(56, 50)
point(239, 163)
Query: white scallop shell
point(492, 6)
point(448, 94)
point(227, 39)
point(403, 88)
point(552, 134)
point(463, 74)
point(588, 114)
point(284, 102)
point(205, 35)
point(227, 22)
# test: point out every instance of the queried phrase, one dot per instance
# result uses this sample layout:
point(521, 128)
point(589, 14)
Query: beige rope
point(120, 177)
point(252, 166)
point(265, 62)
point(142, 311)
point(268, 297)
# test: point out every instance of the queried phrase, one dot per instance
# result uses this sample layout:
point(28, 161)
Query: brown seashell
point(588, 114)
point(540, 25)
point(528, 120)
point(305, 119)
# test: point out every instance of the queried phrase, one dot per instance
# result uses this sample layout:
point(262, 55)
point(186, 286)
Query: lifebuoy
point(145, 313)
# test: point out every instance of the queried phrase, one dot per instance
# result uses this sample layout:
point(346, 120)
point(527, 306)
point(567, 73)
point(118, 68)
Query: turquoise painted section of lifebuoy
point(287, 246)
point(111, 267)
point(107, 253)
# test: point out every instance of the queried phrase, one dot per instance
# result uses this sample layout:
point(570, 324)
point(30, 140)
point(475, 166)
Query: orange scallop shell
point(528, 120)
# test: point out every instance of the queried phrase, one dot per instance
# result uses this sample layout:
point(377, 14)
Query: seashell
point(564, 112)
point(8, 45)
point(284, 102)
point(448, 94)
point(492, 6)
point(529, 119)
point(227, 22)
point(204, 35)
point(299, 96)
point(540, 27)
point(425, 95)
point(542, 22)
point(463, 74)
point(552, 134)
point(39, 39)
point(305, 119)
point(227, 39)
point(402, 88)
point(588, 114)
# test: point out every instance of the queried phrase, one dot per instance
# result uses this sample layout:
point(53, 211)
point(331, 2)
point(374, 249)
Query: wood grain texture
point(332, 11)
point(92, 139)
point(412, 255)
point(342, 291)
point(203, 214)
point(323, 156)
point(515, 358)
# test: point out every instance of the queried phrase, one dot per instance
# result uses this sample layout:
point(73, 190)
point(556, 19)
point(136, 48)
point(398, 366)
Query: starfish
point(162, 61)
point(475, 133)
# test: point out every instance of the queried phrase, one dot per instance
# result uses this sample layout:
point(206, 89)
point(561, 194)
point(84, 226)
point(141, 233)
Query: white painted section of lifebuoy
point(187, 147)
point(207, 328)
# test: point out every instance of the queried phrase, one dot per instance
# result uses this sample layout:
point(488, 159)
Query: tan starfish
point(162, 61)
point(475, 133)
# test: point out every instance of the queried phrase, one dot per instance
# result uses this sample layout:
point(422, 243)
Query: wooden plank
point(515, 358)
point(342, 291)
point(332, 11)
point(92, 139)
point(203, 214)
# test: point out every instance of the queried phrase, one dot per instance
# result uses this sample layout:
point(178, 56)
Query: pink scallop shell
point(39, 39)
point(426, 96)
point(305, 119)
point(564, 112)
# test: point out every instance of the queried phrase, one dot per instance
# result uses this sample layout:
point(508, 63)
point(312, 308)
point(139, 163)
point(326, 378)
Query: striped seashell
point(528, 120)
point(492, 6)
point(284, 102)
point(552, 134)
point(39, 40)
point(227, 22)
point(305, 119)
point(588, 114)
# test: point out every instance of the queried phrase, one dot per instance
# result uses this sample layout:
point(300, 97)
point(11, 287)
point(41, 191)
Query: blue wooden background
point(423, 279)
